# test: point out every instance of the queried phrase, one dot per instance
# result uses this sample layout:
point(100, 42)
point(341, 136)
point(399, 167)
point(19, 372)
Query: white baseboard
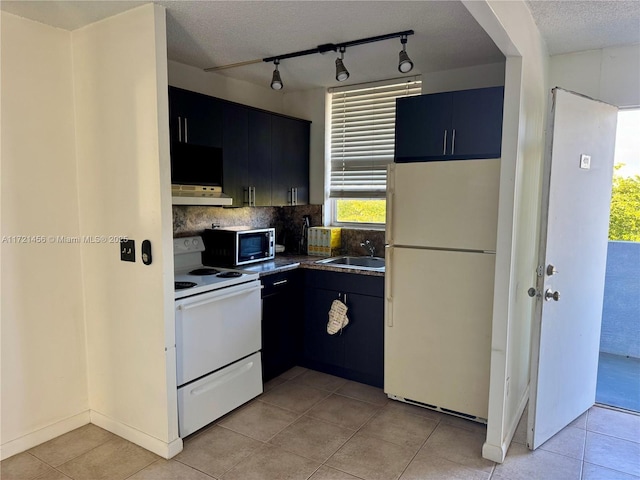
point(165, 450)
point(497, 453)
point(42, 435)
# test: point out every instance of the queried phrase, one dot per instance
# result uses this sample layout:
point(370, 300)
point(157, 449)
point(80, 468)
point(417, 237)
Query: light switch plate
point(127, 250)
point(585, 162)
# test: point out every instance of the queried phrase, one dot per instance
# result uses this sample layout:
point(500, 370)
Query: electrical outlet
point(127, 250)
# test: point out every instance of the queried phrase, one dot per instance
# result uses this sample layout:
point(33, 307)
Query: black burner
point(229, 275)
point(183, 285)
point(204, 271)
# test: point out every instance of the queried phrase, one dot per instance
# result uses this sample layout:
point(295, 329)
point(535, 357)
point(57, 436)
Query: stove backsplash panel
point(288, 221)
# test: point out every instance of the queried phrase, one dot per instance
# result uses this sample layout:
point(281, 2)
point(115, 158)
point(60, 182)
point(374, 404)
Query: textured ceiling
point(213, 33)
point(573, 26)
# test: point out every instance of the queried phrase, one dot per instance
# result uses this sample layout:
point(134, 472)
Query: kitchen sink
point(362, 263)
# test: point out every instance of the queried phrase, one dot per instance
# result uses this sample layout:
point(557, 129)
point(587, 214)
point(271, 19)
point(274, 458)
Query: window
point(362, 133)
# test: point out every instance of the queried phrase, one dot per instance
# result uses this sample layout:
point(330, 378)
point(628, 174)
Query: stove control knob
point(186, 243)
point(195, 242)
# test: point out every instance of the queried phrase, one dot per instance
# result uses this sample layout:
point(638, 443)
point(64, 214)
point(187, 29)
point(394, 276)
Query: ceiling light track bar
point(331, 47)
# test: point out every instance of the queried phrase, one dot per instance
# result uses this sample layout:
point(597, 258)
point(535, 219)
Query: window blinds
point(362, 138)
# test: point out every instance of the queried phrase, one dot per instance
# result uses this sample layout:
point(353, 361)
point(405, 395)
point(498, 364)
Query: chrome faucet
point(370, 248)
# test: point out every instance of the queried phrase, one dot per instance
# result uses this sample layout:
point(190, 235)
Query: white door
point(573, 251)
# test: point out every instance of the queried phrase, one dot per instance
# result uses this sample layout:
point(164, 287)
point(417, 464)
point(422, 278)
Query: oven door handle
point(222, 380)
point(215, 298)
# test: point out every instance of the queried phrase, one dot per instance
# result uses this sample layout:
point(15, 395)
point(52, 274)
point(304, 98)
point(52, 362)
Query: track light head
point(341, 72)
point(405, 65)
point(276, 81)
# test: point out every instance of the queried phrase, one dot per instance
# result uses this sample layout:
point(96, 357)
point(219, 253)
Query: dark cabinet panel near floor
point(458, 125)
point(357, 352)
point(282, 322)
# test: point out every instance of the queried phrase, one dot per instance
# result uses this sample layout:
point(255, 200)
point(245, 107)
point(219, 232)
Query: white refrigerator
point(440, 261)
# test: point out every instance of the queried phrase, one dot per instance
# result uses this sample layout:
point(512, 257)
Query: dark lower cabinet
point(282, 322)
point(356, 353)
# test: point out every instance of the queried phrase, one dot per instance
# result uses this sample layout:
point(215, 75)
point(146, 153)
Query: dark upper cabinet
point(457, 125)
point(289, 161)
point(421, 125)
point(259, 173)
point(265, 155)
point(235, 153)
point(195, 118)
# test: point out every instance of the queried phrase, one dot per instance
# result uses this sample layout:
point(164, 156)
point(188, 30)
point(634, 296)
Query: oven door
point(216, 328)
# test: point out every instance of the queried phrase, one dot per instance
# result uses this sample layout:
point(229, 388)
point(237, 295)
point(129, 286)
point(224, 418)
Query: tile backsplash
point(288, 222)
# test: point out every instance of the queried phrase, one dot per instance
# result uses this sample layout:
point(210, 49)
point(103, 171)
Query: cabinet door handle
point(280, 282)
point(444, 143)
point(186, 131)
point(453, 141)
point(179, 129)
point(252, 196)
point(295, 195)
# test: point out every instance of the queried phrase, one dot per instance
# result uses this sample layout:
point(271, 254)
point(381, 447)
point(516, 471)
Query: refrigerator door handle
point(390, 199)
point(387, 288)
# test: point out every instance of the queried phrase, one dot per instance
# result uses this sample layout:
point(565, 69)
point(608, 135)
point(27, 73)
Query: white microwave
point(235, 246)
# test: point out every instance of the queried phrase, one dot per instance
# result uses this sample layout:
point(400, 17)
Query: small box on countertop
point(325, 241)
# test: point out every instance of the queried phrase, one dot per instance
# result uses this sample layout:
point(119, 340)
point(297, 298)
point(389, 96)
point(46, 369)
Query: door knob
point(551, 269)
point(532, 292)
point(551, 295)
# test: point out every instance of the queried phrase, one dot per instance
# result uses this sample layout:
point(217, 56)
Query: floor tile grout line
point(420, 448)
point(57, 468)
point(138, 471)
point(612, 469)
point(613, 436)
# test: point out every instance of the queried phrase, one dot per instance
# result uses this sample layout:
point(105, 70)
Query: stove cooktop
point(191, 277)
point(205, 279)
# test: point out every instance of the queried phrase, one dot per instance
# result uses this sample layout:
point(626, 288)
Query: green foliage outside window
point(624, 220)
point(361, 211)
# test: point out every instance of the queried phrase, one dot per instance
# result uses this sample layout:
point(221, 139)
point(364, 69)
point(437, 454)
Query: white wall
point(479, 76)
point(123, 170)
point(217, 85)
point(44, 374)
point(609, 74)
point(512, 28)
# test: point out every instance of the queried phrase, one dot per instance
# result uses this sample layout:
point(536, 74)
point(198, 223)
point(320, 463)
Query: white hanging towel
point(337, 317)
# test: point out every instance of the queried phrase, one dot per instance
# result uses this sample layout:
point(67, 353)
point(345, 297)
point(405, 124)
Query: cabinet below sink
point(357, 352)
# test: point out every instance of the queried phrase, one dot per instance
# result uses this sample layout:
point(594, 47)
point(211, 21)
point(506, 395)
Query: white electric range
point(192, 277)
point(218, 337)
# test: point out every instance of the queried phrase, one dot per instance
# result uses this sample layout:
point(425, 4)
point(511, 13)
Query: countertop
point(286, 261)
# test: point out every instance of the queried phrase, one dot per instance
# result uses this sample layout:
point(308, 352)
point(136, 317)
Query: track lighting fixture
point(276, 81)
point(341, 72)
point(405, 65)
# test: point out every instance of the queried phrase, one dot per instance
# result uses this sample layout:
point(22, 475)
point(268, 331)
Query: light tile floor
point(308, 425)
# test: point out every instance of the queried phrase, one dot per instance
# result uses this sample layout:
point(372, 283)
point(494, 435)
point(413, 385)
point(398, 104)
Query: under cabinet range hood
point(196, 175)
